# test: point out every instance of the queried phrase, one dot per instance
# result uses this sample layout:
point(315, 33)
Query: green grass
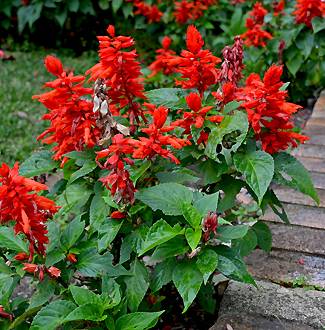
point(20, 116)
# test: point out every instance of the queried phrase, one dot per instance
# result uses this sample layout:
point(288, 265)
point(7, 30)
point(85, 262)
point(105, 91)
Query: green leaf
point(52, 316)
point(111, 294)
point(87, 168)
point(318, 24)
point(294, 62)
point(167, 197)
point(231, 106)
point(38, 163)
point(290, 172)
point(83, 296)
point(231, 187)
point(45, 290)
point(9, 240)
point(107, 233)
point(138, 172)
point(207, 262)
point(305, 42)
point(258, 169)
point(193, 237)
point(98, 212)
point(180, 176)
point(207, 203)
point(264, 236)
point(229, 135)
point(72, 232)
point(168, 97)
point(187, 279)
point(89, 312)
point(246, 244)
point(162, 274)
point(158, 234)
point(73, 5)
point(92, 264)
point(172, 248)
point(192, 215)
point(136, 285)
point(61, 16)
point(270, 199)
point(228, 233)
point(138, 321)
point(116, 4)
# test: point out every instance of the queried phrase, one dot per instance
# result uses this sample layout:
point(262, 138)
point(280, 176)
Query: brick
point(300, 215)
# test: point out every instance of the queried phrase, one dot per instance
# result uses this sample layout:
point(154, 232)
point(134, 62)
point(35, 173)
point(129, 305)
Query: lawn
point(20, 116)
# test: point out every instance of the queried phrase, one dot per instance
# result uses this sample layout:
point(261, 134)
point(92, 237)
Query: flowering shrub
point(149, 179)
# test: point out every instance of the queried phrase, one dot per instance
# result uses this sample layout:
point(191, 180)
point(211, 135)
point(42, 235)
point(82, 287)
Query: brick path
point(297, 256)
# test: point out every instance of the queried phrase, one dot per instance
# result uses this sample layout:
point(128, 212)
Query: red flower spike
point(306, 10)
point(20, 202)
point(278, 7)
point(194, 40)
point(191, 10)
point(121, 73)
point(163, 57)
point(268, 112)
point(53, 65)
point(151, 12)
point(197, 66)
point(30, 268)
point(72, 121)
point(255, 35)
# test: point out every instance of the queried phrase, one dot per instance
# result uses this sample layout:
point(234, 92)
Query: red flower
point(121, 73)
point(306, 10)
point(210, 225)
point(151, 12)
point(117, 215)
point(197, 66)
point(278, 7)
point(30, 268)
point(72, 121)
point(196, 116)
point(54, 272)
point(5, 315)
point(258, 13)
point(227, 94)
point(268, 112)
point(157, 141)
point(191, 10)
point(163, 56)
point(72, 258)
point(118, 181)
point(255, 36)
point(19, 202)
point(21, 256)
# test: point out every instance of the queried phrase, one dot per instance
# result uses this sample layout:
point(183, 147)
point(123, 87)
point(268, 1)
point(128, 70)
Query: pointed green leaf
point(193, 237)
point(138, 321)
point(207, 262)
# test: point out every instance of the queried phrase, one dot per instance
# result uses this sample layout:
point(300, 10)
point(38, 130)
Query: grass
point(20, 116)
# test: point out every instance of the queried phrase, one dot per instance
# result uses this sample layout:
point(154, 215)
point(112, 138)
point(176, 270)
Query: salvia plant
point(144, 185)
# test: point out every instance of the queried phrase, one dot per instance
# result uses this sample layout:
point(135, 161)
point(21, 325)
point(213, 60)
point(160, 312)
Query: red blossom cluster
point(155, 144)
point(151, 12)
point(5, 315)
point(196, 65)
point(269, 114)
point(187, 10)
point(197, 114)
point(121, 73)
point(73, 124)
point(40, 270)
point(20, 202)
point(255, 35)
point(306, 10)
point(163, 57)
point(232, 65)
